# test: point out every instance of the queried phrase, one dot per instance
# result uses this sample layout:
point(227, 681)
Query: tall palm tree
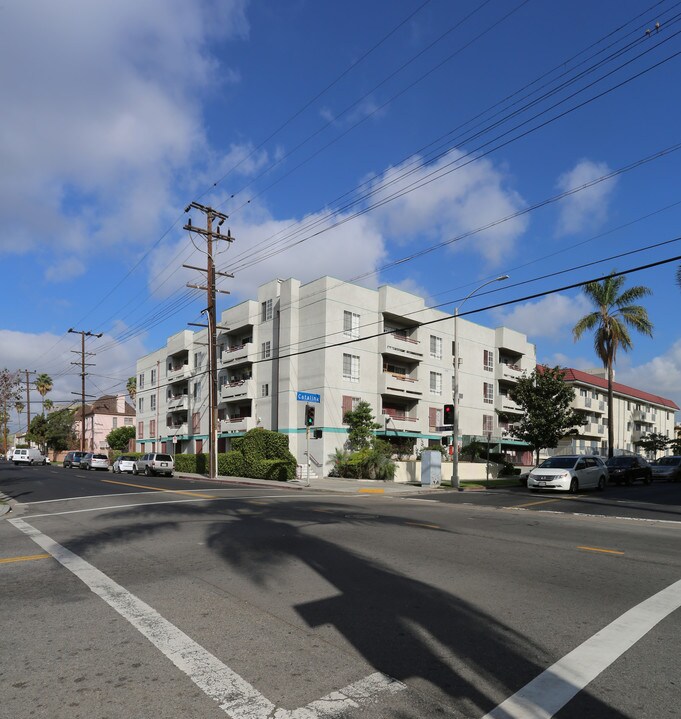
point(48, 404)
point(614, 316)
point(19, 406)
point(43, 383)
point(131, 387)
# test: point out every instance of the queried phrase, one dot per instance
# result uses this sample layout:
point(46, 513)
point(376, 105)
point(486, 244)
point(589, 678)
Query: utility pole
point(28, 399)
point(83, 364)
point(209, 235)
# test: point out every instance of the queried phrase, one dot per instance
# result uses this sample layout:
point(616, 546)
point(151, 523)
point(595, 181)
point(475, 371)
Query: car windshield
point(619, 461)
point(164, 458)
point(558, 463)
point(126, 459)
point(670, 461)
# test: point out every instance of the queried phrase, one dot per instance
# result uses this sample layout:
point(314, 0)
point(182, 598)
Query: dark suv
point(73, 459)
point(625, 469)
point(154, 464)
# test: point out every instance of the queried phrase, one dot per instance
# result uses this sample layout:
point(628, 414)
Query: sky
point(427, 144)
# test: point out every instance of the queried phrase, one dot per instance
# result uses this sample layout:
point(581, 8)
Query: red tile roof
point(575, 375)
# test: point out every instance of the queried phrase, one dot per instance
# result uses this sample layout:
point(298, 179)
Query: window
point(582, 392)
point(152, 402)
point(140, 404)
point(487, 423)
point(349, 404)
point(114, 423)
point(264, 390)
point(435, 347)
point(266, 311)
point(395, 368)
point(351, 367)
point(152, 427)
point(435, 383)
point(350, 324)
point(196, 422)
point(266, 349)
point(487, 393)
point(488, 360)
point(197, 359)
point(196, 391)
point(153, 376)
point(434, 417)
point(127, 421)
point(628, 426)
point(140, 381)
point(140, 430)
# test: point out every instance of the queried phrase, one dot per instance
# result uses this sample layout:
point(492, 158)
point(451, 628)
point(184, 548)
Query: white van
point(28, 456)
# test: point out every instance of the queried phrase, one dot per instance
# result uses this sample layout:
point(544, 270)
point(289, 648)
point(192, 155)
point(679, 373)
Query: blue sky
point(297, 114)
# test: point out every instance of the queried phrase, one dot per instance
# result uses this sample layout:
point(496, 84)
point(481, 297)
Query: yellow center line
point(421, 524)
point(371, 491)
point(160, 489)
point(541, 501)
point(27, 558)
point(598, 549)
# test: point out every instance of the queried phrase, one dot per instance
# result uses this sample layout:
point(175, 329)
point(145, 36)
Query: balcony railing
point(237, 389)
point(239, 353)
point(400, 345)
point(177, 429)
point(400, 384)
point(399, 421)
point(509, 371)
point(177, 402)
point(237, 424)
point(176, 372)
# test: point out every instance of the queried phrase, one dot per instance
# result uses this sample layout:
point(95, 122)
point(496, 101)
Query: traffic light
point(449, 414)
point(309, 415)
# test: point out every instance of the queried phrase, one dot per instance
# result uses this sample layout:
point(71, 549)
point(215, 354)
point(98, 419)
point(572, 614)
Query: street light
point(455, 424)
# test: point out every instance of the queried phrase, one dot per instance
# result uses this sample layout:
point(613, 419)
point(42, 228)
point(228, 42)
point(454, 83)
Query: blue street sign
point(308, 397)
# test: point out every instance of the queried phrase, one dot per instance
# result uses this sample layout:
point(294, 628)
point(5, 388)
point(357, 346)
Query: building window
point(488, 360)
point(350, 324)
point(266, 349)
point(264, 390)
point(628, 426)
point(435, 383)
point(140, 430)
point(140, 381)
point(152, 401)
point(351, 367)
point(435, 347)
point(349, 404)
point(140, 404)
point(487, 393)
point(395, 368)
point(153, 376)
point(266, 310)
point(434, 417)
point(196, 422)
point(114, 423)
point(197, 359)
point(487, 423)
point(127, 421)
point(196, 391)
point(152, 427)
point(582, 392)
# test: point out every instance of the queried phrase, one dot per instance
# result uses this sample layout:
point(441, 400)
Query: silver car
point(154, 464)
point(123, 464)
point(569, 473)
point(95, 461)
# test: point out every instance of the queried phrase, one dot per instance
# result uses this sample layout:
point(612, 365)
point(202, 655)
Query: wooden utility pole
point(83, 364)
point(209, 235)
point(28, 400)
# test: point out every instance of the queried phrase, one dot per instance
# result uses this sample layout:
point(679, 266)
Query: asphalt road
point(231, 601)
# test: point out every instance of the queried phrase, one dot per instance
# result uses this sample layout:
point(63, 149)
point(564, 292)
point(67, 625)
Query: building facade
point(101, 416)
point(343, 343)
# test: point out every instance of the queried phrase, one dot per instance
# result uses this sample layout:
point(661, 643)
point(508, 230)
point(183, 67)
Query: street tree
point(614, 316)
point(37, 432)
point(675, 445)
point(10, 389)
point(19, 407)
point(653, 442)
point(362, 426)
point(119, 438)
point(131, 387)
point(546, 400)
point(43, 383)
point(59, 434)
point(48, 405)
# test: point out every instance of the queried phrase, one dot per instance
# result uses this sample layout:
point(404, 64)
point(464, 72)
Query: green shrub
point(231, 464)
point(114, 453)
point(192, 463)
point(368, 463)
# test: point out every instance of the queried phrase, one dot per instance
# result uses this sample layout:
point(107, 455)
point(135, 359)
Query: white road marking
point(89, 496)
point(235, 696)
point(552, 689)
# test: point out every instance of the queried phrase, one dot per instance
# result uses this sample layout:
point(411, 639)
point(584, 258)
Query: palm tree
point(614, 316)
point(132, 388)
point(48, 404)
point(43, 383)
point(678, 276)
point(19, 406)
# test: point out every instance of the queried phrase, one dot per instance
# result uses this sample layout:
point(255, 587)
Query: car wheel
point(134, 470)
point(170, 474)
point(147, 471)
point(601, 484)
point(574, 486)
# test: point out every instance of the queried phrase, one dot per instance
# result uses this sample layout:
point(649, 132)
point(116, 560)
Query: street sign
point(444, 428)
point(308, 397)
point(174, 440)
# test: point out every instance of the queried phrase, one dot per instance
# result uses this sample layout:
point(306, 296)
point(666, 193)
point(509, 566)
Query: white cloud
point(661, 375)
point(64, 270)
point(468, 198)
point(586, 209)
point(553, 316)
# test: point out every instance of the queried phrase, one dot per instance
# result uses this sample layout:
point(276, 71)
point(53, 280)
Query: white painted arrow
point(235, 696)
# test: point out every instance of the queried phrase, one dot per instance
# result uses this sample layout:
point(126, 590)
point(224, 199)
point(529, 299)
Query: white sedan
point(123, 464)
point(569, 473)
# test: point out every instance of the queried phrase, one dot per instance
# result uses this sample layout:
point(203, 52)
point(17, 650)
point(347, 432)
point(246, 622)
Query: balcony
point(239, 389)
point(178, 372)
point(509, 371)
point(400, 422)
point(177, 403)
point(638, 415)
point(177, 429)
point(237, 424)
point(506, 404)
point(584, 402)
point(590, 429)
point(236, 354)
point(401, 385)
point(400, 345)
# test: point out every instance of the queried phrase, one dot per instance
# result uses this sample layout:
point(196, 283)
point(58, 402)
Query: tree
point(19, 406)
point(10, 388)
point(653, 442)
point(546, 401)
point(48, 404)
point(362, 426)
point(43, 383)
point(37, 432)
point(615, 314)
point(59, 433)
point(675, 445)
point(118, 439)
point(131, 387)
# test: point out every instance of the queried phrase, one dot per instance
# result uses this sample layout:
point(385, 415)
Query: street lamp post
point(455, 423)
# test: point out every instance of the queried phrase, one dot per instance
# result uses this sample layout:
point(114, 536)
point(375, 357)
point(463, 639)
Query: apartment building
point(635, 413)
point(101, 416)
point(344, 343)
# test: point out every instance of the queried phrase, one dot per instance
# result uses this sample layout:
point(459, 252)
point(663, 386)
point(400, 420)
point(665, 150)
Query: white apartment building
point(636, 413)
point(344, 343)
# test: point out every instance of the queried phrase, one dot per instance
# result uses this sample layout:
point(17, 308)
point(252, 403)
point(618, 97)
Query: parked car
point(95, 461)
point(569, 473)
point(626, 469)
point(123, 464)
point(73, 459)
point(154, 464)
point(668, 468)
point(29, 455)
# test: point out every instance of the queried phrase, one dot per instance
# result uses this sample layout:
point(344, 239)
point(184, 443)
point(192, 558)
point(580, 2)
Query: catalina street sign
point(308, 397)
